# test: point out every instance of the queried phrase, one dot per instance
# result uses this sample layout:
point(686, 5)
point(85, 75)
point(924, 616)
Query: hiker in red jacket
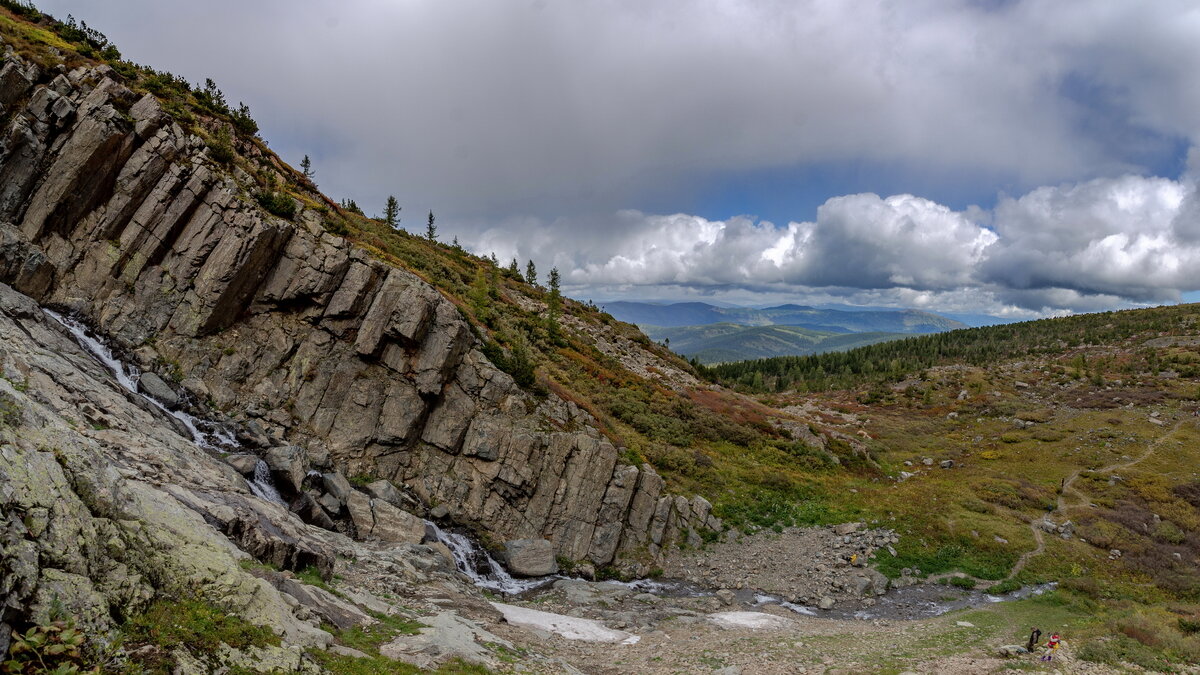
point(1051, 646)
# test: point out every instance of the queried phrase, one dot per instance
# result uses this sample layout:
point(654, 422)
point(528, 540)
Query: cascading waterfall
point(475, 562)
point(263, 486)
point(205, 434)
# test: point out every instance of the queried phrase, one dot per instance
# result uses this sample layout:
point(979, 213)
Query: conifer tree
point(306, 167)
point(553, 307)
point(391, 212)
point(531, 274)
point(431, 229)
point(514, 270)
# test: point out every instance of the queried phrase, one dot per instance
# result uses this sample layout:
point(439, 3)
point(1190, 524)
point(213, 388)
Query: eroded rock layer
point(110, 209)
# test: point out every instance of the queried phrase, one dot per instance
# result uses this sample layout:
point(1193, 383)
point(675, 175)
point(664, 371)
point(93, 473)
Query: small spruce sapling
point(306, 167)
point(554, 307)
point(431, 229)
point(391, 212)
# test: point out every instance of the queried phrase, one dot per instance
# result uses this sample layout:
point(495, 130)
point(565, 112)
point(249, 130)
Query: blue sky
point(1023, 158)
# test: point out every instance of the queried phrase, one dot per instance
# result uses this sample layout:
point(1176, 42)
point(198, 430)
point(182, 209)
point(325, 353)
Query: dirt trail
point(1026, 556)
point(1068, 487)
point(1069, 483)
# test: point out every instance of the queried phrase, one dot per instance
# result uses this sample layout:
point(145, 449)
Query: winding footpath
point(1068, 487)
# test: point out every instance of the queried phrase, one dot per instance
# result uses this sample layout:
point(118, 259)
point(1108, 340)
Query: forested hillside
point(891, 361)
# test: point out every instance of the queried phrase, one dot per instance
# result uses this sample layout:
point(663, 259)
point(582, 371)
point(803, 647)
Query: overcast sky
point(1008, 157)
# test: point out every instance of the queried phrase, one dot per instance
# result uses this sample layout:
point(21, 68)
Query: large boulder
point(337, 486)
point(377, 519)
point(530, 557)
point(157, 388)
point(288, 466)
point(244, 463)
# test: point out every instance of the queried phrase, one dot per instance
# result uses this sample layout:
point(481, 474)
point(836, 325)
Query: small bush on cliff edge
point(277, 203)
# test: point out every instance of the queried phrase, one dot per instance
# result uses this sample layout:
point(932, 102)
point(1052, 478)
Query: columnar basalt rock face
point(110, 209)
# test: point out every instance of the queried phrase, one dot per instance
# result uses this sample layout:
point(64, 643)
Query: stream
point(206, 434)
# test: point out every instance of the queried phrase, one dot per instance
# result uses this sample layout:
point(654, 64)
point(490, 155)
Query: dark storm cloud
point(503, 108)
point(518, 122)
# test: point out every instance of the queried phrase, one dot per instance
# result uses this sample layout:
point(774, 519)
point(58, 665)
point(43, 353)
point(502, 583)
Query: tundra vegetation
point(1088, 419)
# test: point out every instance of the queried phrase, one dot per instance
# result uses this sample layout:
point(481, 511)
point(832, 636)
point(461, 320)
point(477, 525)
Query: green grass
point(379, 665)
point(369, 638)
point(195, 625)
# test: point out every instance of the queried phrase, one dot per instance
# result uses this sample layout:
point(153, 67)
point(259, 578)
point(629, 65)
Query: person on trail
point(1051, 647)
point(1035, 636)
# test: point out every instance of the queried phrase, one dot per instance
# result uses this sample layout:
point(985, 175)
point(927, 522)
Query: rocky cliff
point(113, 211)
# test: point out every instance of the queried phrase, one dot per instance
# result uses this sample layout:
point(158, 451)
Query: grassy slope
point(1091, 408)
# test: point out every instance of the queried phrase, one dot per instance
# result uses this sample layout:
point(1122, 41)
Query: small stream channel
point(206, 434)
point(910, 602)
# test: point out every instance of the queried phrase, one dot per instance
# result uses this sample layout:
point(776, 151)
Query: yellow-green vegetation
point(379, 665)
point(194, 625)
point(368, 639)
point(1104, 437)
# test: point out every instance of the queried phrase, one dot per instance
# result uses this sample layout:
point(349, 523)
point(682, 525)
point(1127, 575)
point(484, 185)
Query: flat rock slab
point(570, 627)
point(752, 620)
point(445, 636)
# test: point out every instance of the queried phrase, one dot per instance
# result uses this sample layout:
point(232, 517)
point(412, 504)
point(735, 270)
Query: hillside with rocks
point(245, 428)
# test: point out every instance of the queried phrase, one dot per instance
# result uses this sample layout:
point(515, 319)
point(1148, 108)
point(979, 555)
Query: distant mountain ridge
point(725, 342)
point(825, 320)
point(713, 334)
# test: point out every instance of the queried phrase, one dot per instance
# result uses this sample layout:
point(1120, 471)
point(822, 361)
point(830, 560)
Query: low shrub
point(277, 203)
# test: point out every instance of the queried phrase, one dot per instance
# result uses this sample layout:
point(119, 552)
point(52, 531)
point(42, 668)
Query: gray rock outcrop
point(113, 211)
point(530, 557)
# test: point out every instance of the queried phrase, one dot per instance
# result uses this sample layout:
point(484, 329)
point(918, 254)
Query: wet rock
point(826, 602)
point(244, 463)
point(288, 466)
point(725, 596)
point(156, 388)
point(530, 557)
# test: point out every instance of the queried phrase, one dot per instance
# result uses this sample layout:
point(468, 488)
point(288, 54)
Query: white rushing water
point(263, 486)
point(205, 434)
point(474, 561)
